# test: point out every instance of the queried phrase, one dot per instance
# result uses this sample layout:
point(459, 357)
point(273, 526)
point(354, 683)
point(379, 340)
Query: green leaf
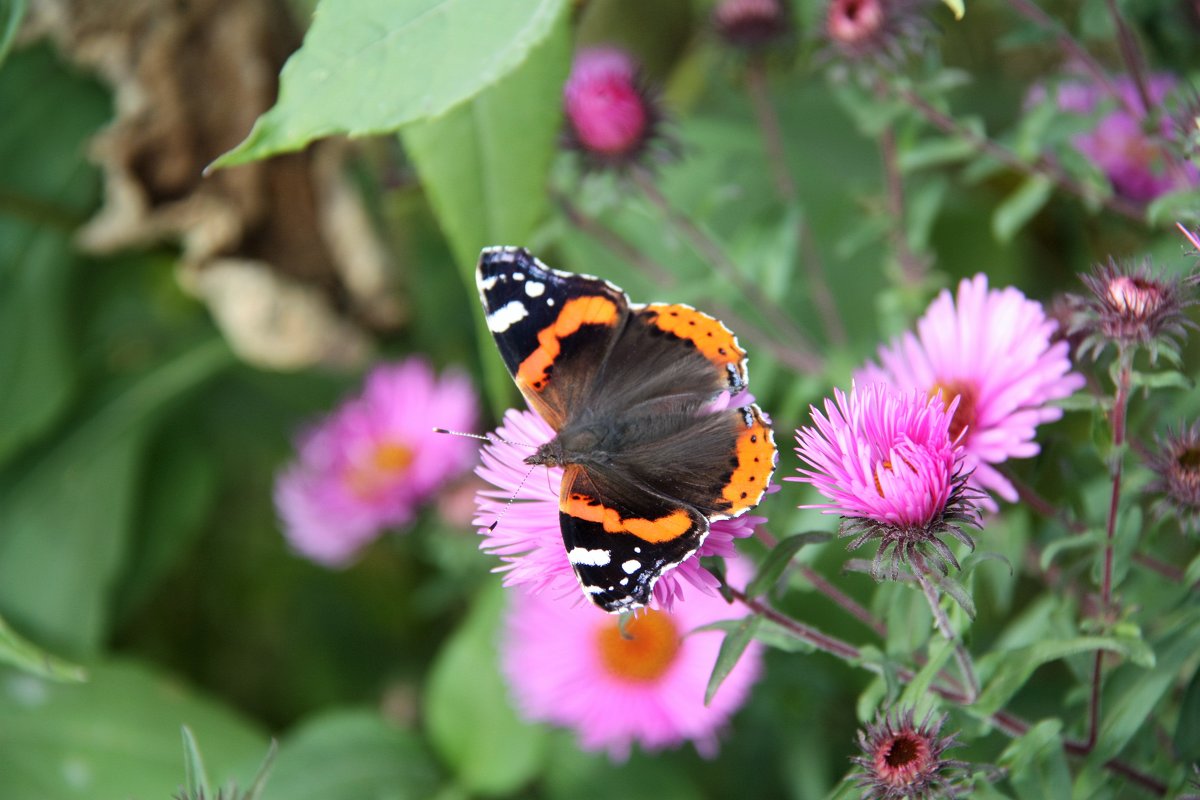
point(351, 755)
point(25, 656)
point(471, 724)
point(1021, 206)
point(1187, 730)
point(778, 559)
point(373, 66)
point(484, 168)
point(46, 189)
point(11, 14)
point(194, 774)
point(1166, 379)
point(67, 515)
point(113, 738)
point(732, 647)
point(917, 689)
point(1077, 541)
point(1132, 693)
point(1010, 670)
point(1037, 764)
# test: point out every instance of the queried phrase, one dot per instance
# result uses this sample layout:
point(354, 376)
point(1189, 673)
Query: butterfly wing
point(621, 537)
point(554, 329)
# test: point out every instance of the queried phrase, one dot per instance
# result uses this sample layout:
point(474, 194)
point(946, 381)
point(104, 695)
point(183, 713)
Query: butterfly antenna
point(484, 437)
point(504, 510)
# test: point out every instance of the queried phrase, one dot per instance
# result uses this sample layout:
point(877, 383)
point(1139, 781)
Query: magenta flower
point(1138, 163)
point(991, 351)
point(569, 665)
point(527, 537)
point(370, 463)
point(885, 461)
point(610, 118)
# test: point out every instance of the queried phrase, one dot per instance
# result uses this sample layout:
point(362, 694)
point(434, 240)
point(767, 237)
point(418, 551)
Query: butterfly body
point(638, 396)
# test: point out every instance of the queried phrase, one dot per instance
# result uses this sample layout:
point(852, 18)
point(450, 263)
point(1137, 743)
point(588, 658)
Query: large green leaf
point(1133, 692)
point(484, 166)
point(372, 66)
point(351, 755)
point(11, 14)
point(471, 723)
point(45, 190)
point(22, 654)
point(1036, 763)
point(66, 516)
point(114, 737)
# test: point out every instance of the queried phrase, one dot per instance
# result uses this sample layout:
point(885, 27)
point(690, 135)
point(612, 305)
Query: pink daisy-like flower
point(571, 665)
point(528, 538)
point(991, 350)
point(373, 460)
point(885, 461)
point(1137, 163)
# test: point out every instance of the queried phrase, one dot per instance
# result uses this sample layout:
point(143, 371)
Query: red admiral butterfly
point(649, 458)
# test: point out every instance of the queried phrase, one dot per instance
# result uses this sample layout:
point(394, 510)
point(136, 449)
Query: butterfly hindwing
point(620, 538)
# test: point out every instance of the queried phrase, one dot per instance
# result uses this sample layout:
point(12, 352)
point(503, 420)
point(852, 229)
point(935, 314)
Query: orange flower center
point(644, 651)
point(967, 394)
point(377, 473)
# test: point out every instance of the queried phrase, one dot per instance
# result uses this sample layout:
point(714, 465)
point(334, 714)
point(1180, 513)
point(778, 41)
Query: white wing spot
point(487, 284)
point(506, 316)
point(535, 288)
point(589, 558)
point(518, 276)
point(624, 581)
point(549, 301)
point(631, 566)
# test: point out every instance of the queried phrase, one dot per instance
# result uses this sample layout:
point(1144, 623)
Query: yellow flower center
point(378, 472)
point(643, 651)
point(967, 394)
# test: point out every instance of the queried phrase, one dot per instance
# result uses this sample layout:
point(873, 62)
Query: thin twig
point(1041, 167)
point(1132, 57)
point(912, 266)
point(627, 251)
point(1078, 53)
point(1005, 721)
point(943, 625)
point(844, 600)
point(715, 255)
point(785, 186)
point(1120, 406)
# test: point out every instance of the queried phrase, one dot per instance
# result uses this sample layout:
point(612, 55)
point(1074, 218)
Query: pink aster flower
point(370, 463)
point(527, 537)
point(611, 119)
point(991, 349)
point(1138, 163)
point(570, 665)
point(885, 461)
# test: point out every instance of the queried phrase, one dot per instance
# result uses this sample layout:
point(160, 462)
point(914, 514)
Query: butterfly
point(651, 451)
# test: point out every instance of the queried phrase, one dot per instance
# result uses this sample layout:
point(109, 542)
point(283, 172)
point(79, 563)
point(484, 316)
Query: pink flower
point(1137, 163)
point(370, 463)
point(885, 461)
point(527, 537)
point(881, 455)
point(568, 665)
point(610, 119)
point(993, 352)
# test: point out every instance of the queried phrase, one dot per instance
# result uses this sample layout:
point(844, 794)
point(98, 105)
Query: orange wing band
point(714, 340)
point(755, 464)
point(663, 529)
point(577, 312)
